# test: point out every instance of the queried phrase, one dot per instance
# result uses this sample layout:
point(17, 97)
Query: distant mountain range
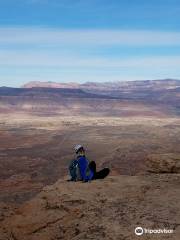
point(146, 84)
point(104, 99)
point(35, 84)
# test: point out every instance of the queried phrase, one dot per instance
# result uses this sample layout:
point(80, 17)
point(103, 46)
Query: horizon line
point(91, 82)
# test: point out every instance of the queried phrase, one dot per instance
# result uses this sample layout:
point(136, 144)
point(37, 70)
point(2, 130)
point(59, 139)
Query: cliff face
point(104, 209)
point(118, 85)
point(50, 85)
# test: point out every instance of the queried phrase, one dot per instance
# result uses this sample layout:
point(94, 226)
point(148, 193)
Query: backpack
point(75, 171)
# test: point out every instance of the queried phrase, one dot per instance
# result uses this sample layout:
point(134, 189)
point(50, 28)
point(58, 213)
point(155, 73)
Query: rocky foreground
point(104, 209)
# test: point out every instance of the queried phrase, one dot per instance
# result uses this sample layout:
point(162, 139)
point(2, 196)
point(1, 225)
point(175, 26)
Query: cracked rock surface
point(107, 209)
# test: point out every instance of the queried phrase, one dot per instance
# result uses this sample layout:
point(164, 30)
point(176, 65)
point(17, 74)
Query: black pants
point(100, 174)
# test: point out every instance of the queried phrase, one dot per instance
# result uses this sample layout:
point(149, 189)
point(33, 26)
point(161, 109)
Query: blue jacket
point(85, 172)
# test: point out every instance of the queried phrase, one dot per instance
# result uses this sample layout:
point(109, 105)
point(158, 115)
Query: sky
point(88, 40)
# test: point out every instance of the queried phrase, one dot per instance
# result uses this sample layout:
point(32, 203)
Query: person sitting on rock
point(81, 170)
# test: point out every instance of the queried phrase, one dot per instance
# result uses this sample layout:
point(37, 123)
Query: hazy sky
point(88, 40)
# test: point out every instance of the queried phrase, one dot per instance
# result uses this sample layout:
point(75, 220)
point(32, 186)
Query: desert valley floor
point(36, 151)
point(137, 139)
